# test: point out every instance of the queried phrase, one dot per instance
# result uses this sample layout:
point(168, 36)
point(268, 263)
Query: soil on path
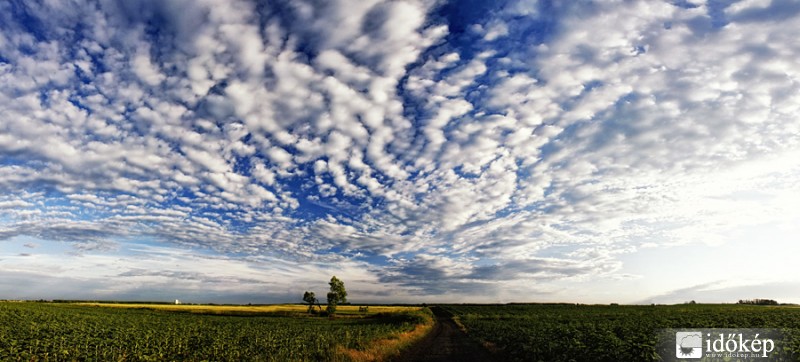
point(445, 343)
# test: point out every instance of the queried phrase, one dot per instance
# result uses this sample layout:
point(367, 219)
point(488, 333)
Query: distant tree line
point(758, 301)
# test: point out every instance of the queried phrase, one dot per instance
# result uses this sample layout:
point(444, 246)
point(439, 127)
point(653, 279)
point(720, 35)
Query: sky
point(246, 151)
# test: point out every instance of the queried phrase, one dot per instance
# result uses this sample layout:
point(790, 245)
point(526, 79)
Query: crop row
point(62, 332)
point(612, 333)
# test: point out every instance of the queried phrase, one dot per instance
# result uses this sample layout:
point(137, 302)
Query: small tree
point(311, 299)
point(336, 295)
point(331, 309)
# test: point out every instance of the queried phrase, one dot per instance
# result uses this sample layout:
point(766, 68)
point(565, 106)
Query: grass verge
point(420, 324)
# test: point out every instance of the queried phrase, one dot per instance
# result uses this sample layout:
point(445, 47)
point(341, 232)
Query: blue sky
point(420, 150)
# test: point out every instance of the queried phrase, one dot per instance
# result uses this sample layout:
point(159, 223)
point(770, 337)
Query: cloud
point(691, 341)
point(435, 147)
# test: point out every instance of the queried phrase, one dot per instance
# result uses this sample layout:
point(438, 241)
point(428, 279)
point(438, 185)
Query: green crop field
point(537, 332)
point(610, 333)
point(72, 332)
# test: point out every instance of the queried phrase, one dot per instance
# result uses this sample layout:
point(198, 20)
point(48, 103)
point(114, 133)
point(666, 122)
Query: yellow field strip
point(273, 308)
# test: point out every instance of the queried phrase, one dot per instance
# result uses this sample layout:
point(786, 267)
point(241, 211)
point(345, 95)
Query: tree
point(758, 301)
point(311, 299)
point(336, 295)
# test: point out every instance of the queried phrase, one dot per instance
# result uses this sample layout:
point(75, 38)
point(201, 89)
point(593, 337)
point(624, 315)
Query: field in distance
point(342, 310)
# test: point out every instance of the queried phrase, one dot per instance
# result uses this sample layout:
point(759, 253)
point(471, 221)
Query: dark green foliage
point(311, 299)
point(758, 301)
point(337, 294)
point(64, 332)
point(541, 332)
point(337, 287)
point(332, 302)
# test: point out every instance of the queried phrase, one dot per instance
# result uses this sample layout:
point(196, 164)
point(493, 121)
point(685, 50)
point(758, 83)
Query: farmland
point(610, 333)
point(285, 309)
point(518, 332)
point(148, 332)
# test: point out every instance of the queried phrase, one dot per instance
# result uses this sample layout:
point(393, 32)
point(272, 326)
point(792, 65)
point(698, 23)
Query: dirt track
point(446, 342)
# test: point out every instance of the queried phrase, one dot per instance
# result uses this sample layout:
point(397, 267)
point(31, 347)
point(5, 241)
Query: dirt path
point(446, 342)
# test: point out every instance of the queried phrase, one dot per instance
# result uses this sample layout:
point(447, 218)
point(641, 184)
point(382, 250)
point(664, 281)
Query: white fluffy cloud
point(541, 143)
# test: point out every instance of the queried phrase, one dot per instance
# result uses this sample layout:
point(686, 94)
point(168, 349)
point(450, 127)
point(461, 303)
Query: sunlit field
point(152, 332)
point(253, 309)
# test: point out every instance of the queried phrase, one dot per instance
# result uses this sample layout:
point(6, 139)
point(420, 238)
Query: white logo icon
point(689, 344)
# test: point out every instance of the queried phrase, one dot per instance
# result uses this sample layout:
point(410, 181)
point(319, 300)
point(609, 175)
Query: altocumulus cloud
point(239, 150)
